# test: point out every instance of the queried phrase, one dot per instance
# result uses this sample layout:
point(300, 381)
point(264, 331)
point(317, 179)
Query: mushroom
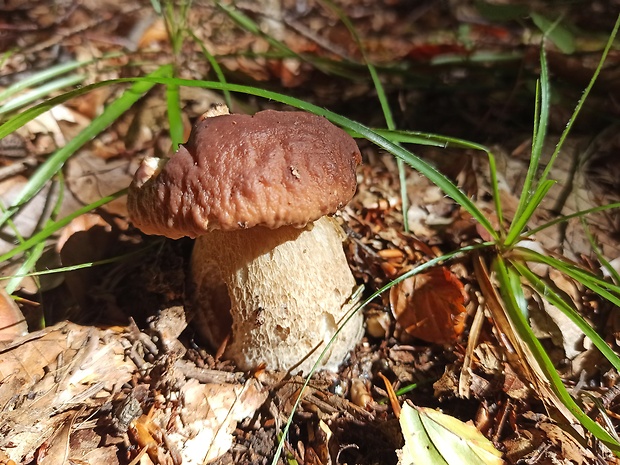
point(270, 275)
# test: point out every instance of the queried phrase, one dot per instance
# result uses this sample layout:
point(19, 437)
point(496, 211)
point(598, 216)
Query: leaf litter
point(133, 383)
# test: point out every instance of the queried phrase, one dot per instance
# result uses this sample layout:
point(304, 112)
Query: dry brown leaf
point(430, 306)
point(209, 415)
point(12, 321)
point(319, 451)
point(79, 224)
point(50, 371)
point(107, 455)
point(86, 239)
point(550, 322)
point(58, 448)
point(13, 146)
point(90, 177)
point(169, 323)
point(155, 33)
point(31, 215)
point(572, 451)
point(489, 358)
point(513, 385)
point(429, 208)
point(522, 443)
point(27, 220)
point(91, 104)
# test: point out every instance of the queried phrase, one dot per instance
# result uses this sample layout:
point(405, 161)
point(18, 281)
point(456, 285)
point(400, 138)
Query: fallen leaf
point(90, 177)
point(34, 212)
point(571, 450)
point(86, 239)
point(155, 33)
point(209, 416)
point(46, 372)
point(319, 451)
point(91, 105)
point(12, 321)
point(430, 306)
point(433, 437)
point(57, 449)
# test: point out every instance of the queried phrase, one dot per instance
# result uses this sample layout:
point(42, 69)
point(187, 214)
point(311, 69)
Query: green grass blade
point(81, 266)
point(487, 57)
point(437, 140)
point(59, 224)
point(342, 67)
point(500, 12)
point(175, 18)
point(425, 138)
point(35, 252)
point(156, 4)
point(540, 128)
point(327, 66)
point(543, 97)
point(497, 198)
point(42, 76)
point(41, 92)
point(28, 264)
point(554, 299)
point(389, 120)
point(175, 120)
point(519, 223)
point(598, 285)
point(510, 288)
point(421, 166)
point(582, 100)
point(247, 24)
point(557, 33)
point(17, 121)
point(55, 162)
point(615, 276)
point(565, 218)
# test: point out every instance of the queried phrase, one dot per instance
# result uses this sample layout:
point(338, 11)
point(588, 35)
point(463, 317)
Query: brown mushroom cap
point(238, 171)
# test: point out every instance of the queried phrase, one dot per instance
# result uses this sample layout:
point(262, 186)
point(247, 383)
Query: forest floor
point(108, 368)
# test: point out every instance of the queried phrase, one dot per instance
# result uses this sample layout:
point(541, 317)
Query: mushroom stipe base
point(280, 293)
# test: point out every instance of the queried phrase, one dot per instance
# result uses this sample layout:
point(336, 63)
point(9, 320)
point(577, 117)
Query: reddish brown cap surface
point(238, 171)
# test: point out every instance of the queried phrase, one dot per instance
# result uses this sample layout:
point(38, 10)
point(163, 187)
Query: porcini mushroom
point(268, 265)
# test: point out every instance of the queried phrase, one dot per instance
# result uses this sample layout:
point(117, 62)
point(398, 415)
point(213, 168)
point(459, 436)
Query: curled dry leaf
point(430, 306)
point(80, 224)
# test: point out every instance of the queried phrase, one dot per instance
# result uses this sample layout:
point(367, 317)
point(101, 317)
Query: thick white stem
point(278, 293)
